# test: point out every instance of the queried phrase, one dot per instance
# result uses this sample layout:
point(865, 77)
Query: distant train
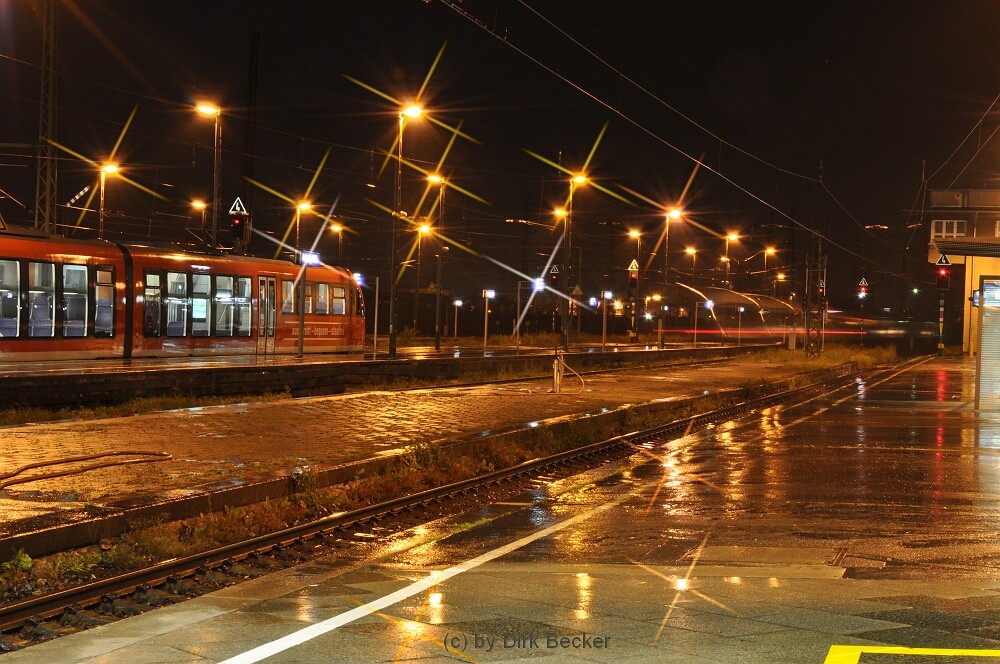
point(730, 317)
point(79, 299)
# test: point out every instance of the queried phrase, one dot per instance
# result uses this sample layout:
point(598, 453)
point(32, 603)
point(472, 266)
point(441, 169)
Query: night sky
point(804, 115)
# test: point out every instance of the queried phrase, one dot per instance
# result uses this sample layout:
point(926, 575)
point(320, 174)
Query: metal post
point(604, 319)
point(517, 318)
point(216, 179)
point(394, 260)
point(375, 328)
point(437, 301)
point(696, 322)
point(663, 282)
point(100, 215)
point(486, 319)
point(302, 285)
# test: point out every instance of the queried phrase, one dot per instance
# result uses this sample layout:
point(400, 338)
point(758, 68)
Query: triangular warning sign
point(577, 291)
point(3, 224)
point(554, 270)
point(943, 260)
point(634, 265)
point(238, 207)
point(863, 282)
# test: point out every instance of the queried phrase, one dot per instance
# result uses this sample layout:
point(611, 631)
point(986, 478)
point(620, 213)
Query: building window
point(944, 228)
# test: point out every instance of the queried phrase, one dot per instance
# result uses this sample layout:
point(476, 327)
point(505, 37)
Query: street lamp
point(200, 205)
point(488, 294)
point(567, 216)
point(693, 253)
point(675, 214)
point(768, 251)
point(105, 170)
point(212, 111)
point(739, 326)
point(457, 304)
point(434, 178)
point(422, 230)
point(437, 301)
point(339, 230)
point(411, 111)
point(299, 209)
point(731, 237)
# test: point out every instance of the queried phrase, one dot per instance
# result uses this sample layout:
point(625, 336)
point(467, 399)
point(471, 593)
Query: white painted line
point(311, 632)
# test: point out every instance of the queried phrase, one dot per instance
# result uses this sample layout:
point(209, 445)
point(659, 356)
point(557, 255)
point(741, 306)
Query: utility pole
point(814, 307)
point(45, 178)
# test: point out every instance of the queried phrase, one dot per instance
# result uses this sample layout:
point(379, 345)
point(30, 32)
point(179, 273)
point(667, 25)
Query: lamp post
point(488, 294)
point(731, 237)
point(567, 216)
point(437, 301)
point(457, 304)
point(693, 253)
point(739, 325)
point(768, 251)
point(605, 298)
point(105, 170)
point(303, 205)
point(422, 230)
point(412, 111)
point(673, 213)
point(339, 230)
point(200, 205)
point(434, 178)
point(212, 111)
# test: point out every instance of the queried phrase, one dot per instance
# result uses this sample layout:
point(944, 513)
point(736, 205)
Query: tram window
point(10, 278)
point(177, 304)
point(201, 291)
point(74, 301)
point(152, 299)
point(339, 301)
point(322, 298)
point(104, 312)
point(310, 287)
point(244, 321)
point(359, 302)
point(287, 297)
point(41, 299)
point(224, 306)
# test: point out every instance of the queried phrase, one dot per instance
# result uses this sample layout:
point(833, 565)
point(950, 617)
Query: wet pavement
point(859, 526)
point(208, 446)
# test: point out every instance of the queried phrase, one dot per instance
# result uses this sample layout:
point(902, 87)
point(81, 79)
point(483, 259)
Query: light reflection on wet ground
point(847, 520)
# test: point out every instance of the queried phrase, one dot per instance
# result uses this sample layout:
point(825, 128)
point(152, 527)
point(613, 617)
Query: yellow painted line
point(852, 654)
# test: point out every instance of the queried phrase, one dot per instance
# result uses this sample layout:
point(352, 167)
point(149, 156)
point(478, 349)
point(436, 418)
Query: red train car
point(69, 299)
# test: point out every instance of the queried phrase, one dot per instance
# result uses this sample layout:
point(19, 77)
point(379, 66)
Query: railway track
point(41, 618)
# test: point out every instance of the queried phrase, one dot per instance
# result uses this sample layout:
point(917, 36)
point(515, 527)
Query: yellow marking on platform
point(852, 654)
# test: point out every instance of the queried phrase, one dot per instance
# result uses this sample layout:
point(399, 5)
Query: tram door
point(265, 315)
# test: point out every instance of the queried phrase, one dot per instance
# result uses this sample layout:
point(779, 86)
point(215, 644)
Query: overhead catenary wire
point(652, 134)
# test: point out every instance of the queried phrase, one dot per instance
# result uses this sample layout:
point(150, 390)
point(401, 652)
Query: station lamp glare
point(539, 285)
point(359, 279)
point(593, 301)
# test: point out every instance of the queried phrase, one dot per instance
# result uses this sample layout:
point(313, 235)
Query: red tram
point(69, 299)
